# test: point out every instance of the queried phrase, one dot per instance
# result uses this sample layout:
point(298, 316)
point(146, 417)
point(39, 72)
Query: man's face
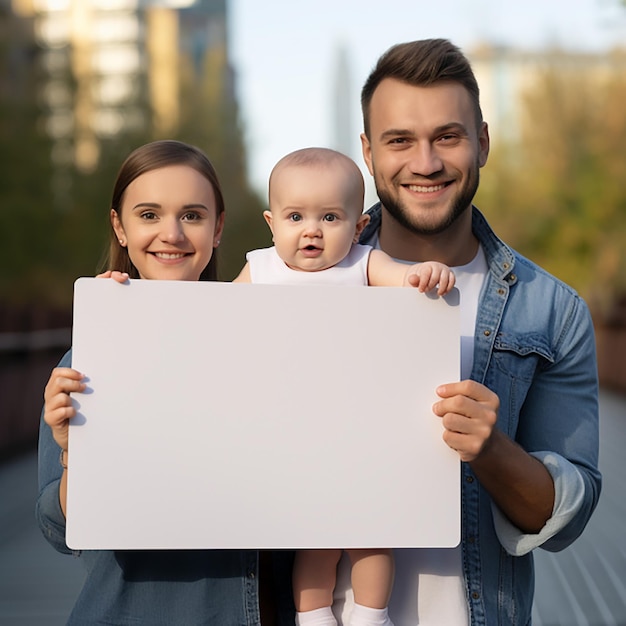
point(424, 152)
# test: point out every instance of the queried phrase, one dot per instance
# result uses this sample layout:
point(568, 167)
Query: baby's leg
point(372, 576)
point(372, 580)
point(314, 577)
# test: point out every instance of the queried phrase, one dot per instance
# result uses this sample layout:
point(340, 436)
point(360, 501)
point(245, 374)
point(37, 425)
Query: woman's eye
point(148, 215)
point(330, 217)
point(191, 217)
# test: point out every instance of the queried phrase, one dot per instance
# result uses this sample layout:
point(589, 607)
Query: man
point(524, 418)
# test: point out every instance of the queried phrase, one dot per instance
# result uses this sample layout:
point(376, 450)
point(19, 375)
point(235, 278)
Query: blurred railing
point(31, 343)
point(611, 344)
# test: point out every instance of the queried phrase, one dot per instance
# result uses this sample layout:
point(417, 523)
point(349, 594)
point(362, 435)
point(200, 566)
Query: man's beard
point(459, 204)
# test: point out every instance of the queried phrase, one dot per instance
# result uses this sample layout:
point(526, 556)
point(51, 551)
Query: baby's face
point(313, 216)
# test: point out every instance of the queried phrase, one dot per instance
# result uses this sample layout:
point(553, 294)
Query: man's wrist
point(63, 459)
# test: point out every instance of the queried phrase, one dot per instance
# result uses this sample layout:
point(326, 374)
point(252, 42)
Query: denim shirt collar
point(500, 257)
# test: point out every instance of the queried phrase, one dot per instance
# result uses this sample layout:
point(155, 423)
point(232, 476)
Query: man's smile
point(426, 188)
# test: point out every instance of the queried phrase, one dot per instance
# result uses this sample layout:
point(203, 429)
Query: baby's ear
point(362, 222)
point(268, 218)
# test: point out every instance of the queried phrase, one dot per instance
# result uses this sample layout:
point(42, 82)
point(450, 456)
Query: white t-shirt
point(429, 589)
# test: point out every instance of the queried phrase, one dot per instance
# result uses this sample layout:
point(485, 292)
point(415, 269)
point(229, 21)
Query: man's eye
point(449, 139)
point(329, 217)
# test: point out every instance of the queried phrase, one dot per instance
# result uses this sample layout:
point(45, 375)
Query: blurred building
point(114, 67)
point(506, 75)
point(343, 128)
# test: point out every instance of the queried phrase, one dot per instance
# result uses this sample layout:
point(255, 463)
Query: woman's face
point(169, 223)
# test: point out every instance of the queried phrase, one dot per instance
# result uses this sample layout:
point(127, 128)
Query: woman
point(167, 217)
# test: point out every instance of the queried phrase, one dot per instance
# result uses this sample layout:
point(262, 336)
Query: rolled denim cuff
point(51, 519)
point(569, 494)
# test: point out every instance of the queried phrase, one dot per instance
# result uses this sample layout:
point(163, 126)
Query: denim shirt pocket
point(519, 355)
point(516, 357)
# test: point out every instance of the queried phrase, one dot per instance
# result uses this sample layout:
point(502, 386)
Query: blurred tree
point(55, 212)
point(210, 120)
point(558, 194)
point(27, 225)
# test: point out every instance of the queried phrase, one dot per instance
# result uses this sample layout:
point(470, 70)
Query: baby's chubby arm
point(383, 271)
point(244, 275)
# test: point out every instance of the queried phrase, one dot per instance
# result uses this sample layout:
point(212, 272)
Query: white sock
point(366, 616)
point(317, 617)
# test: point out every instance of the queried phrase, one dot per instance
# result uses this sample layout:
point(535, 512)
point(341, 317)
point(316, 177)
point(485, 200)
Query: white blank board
point(225, 415)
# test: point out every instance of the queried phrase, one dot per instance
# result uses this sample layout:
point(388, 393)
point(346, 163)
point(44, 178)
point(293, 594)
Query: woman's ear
point(219, 229)
point(118, 228)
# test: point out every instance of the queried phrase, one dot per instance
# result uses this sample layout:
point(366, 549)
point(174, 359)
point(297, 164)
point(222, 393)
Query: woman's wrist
point(63, 459)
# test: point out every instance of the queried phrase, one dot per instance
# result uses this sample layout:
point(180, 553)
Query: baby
point(316, 217)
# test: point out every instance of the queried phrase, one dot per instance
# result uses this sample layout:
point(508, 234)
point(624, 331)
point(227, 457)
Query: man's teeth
point(169, 255)
point(422, 189)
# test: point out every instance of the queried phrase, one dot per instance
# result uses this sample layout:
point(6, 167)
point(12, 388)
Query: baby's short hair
point(322, 157)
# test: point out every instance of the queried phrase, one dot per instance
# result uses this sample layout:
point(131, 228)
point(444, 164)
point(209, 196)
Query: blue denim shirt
point(159, 588)
point(534, 347)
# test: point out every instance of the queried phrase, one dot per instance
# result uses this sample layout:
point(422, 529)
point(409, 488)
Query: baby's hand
point(120, 277)
point(428, 275)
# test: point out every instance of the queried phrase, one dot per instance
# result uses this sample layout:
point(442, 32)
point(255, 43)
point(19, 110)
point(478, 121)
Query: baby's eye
point(330, 217)
point(295, 217)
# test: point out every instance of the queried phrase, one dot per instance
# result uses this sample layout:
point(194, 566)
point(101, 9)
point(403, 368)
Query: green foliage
point(210, 120)
point(26, 222)
point(558, 194)
point(55, 216)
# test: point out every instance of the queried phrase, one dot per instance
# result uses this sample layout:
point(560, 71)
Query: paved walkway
point(584, 585)
point(38, 585)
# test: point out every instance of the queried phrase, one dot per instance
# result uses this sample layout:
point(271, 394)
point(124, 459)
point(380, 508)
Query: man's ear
point(268, 218)
point(367, 152)
point(117, 227)
point(483, 144)
point(362, 222)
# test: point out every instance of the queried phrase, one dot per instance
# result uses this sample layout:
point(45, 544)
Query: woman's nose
point(172, 231)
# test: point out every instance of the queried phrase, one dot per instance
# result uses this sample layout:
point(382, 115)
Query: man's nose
point(425, 159)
